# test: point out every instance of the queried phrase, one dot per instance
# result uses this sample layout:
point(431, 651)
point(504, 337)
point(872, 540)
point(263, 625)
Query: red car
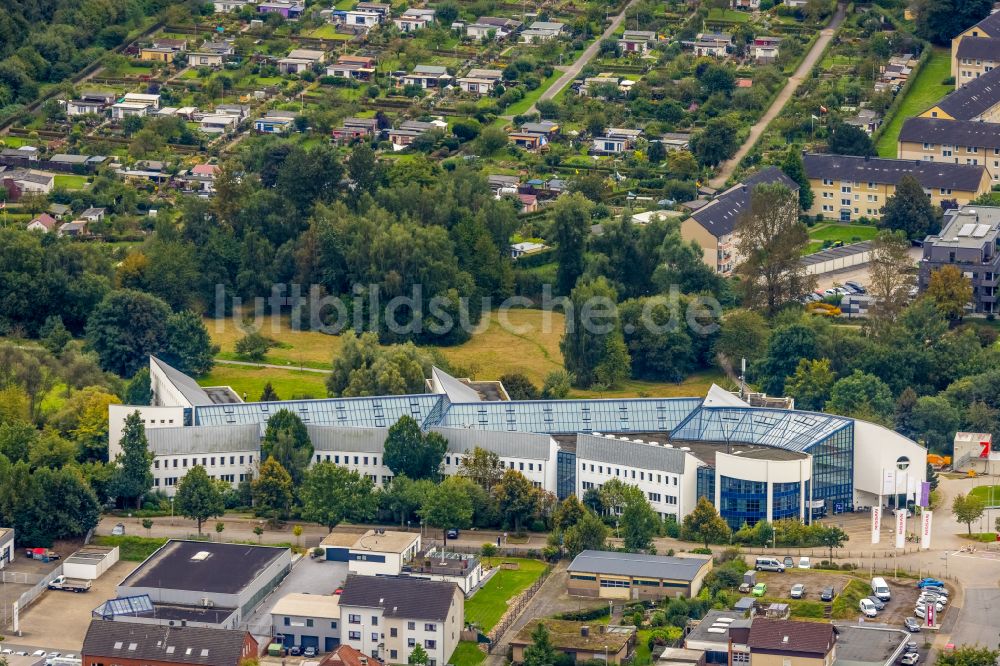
point(339, 590)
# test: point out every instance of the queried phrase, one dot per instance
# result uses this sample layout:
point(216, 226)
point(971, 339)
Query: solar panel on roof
point(981, 230)
point(966, 230)
point(716, 630)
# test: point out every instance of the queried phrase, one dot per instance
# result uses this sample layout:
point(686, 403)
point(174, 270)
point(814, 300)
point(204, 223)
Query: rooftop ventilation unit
point(200, 556)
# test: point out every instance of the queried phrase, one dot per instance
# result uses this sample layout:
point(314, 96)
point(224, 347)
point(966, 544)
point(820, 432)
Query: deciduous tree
point(517, 498)
point(411, 452)
point(481, 466)
point(968, 509)
point(910, 210)
point(811, 384)
point(199, 497)
point(891, 275)
point(126, 328)
point(287, 441)
point(133, 475)
point(331, 494)
point(588, 533)
point(272, 491)
point(570, 228)
point(950, 291)
point(705, 524)
point(447, 506)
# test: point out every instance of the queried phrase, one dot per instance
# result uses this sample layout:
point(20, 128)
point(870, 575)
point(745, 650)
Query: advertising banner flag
point(931, 612)
point(911, 488)
point(925, 494)
point(888, 482)
point(900, 528)
point(925, 529)
point(876, 524)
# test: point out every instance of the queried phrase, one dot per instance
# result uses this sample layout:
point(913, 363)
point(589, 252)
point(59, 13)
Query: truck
point(69, 584)
point(43, 554)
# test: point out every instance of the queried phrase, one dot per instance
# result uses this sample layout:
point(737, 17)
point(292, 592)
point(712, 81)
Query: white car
point(38, 653)
point(804, 563)
point(936, 597)
point(938, 606)
point(6, 651)
point(798, 591)
point(868, 608)
point(920, 611)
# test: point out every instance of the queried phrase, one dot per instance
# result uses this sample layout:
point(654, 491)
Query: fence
point(514, 611)
point(20, 577)
point(31, 595)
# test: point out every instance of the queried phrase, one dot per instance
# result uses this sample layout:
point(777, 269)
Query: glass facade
point(706, 483)
point(379, 412)
point(781, 428)
point(785, 498)
point(742, 501)
point(833, 471)
point(565, 473)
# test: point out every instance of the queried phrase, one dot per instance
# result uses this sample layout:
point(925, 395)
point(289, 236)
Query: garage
point(309, 641)
point(337, 546)
point(90, 562)
point(337, 554)
point(331, 644)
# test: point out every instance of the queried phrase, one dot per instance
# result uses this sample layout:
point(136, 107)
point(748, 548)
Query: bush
point(585, 615)
point(253, 346)
point(701, 551)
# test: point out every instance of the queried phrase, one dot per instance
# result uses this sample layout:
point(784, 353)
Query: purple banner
point(925, 494)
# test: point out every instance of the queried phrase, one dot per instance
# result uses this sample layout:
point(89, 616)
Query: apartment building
point(954, 141)
point(387, 617)
point(968, 240)
point(976, 50)
point(846, 187)
point(978, 99)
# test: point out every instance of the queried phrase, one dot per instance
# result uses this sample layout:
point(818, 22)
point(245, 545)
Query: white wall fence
point(29, 597)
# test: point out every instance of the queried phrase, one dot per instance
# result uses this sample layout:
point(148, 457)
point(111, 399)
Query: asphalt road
point(727, 168)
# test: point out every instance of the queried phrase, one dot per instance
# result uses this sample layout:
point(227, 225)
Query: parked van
point(868, 608)
point(880, 589)
point(769, 564)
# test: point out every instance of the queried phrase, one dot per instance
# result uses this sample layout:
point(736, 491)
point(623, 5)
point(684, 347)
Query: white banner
point(876, 522)
point(925, 529)
point(901, 515)
point(888, 482)
point(912, 485)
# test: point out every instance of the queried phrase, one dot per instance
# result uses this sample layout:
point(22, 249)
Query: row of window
point(618, 472)
point(309, 622)
point(354, 618)
point(206, 461)
point(173, 480)
point(347, 459)
point(510, 464)
point(948, 148)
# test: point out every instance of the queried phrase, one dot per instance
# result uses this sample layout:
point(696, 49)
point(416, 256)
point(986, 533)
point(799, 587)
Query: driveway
point(307, 575)
point(727, 168)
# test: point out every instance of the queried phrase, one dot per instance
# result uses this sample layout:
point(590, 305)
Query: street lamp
point(605, 654)
point(171, 507)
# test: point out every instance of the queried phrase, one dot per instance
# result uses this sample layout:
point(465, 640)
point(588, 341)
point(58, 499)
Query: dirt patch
point(60, 619)
point(779, 585)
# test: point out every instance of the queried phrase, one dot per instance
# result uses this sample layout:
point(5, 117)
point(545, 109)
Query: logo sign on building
point(984, 449)
point(876, 523)
point(900, 528)
point(925, 529)
point(888, 482)
point(930, 612)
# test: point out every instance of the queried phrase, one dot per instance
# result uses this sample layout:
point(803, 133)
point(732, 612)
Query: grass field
point(732, 15)
point(70, 181)
point(846, 603)
point(131, 548)
point(467, 654)
point(488, 605)
point(328, 31)
point(524, 341)
point(846, 233)
point(989, 494)
point(925, 91)
point(533, 96)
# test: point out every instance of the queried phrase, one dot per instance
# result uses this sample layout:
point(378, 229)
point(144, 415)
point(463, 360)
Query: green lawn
point(843, 232)
point(925, 91)
point(846, 603)
point(467, 654)
point(488, 605)
point(131, 548)
point(989, 494)
point(532, 97)
point(728, 15)
point(250, 380)
point(69, 181)
point(328, 31)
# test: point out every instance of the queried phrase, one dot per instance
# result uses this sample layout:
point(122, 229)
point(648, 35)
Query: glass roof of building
point(374, 412)
point(792, 430)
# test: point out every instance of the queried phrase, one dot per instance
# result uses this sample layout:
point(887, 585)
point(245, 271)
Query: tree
point(891, 274)
point(133, 475)
point(742, 334)
point(615, 366)
point(448, 506)
point(717, 142)
point(589, 533)
point(832, 537)
point(126, 328)
point(771, 240)
point(567, 513)
point(259, 531)
point(297, 531)
point(705, 523)
point(594, 318)
point(519, 387)
point(639, 524)
point(941, 20)
point(253, 347)
point(188, 346)
point(287, 440)
point(331, 494)
point(570, 228)
point(481, 466)
point(269, 394)
point(936, 420)
point(794, 168)
point(850, 140)
point(968, 509)
point(138, 391)
point(950, 291)
point(811, 384)
point(199, 497)
point(541, 652)
point(786, 347)
point(557, 385)
point(516, 497)
point(147, 525)
point(910, 210)
point(418, 656)
point(861, 395)
point(411, 452)
point(219, 529)
point(364, 367)
point(54, 335)
point(272, 491)
point(932, 478)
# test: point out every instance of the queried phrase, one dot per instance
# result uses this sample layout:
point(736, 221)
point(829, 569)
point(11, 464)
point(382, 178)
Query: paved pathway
point(272, 365)
point(588, 54)
point(727, 168)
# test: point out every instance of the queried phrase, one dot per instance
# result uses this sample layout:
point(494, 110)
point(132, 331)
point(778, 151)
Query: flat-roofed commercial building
point(307, 620)
point(607, 575)
point(970, 240)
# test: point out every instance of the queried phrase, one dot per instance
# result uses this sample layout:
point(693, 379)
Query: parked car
point(911, 625)
point(911, 646)
point(118, 530)
point(938, 606)
point(855, 285)
point(878, 603)
point(929, 582)
point(867, 607)
point(933, 595)
point(760, 589)
point(309, 652)
point(788, 562)
point(827, 594)
point(804, 563)
point(453, 533)
point(295, 651)
point(798, 591)
point(909, 659)
point(934, 588)
point(920, 611)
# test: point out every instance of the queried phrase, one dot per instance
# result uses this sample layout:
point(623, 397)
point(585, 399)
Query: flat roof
point(386, 542)
point(301, 604)
point(874, 644)
point(567, 634)
point(203, 566)
point(88, 555)
point(836, 253)
point(716, 619)
point(638, 564)
point(339, 539)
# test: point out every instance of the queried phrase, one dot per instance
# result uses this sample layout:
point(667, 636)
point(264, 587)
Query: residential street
point(727, 168)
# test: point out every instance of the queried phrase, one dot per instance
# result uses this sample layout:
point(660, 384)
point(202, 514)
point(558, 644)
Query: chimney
point(784, 640)
point(585, 631)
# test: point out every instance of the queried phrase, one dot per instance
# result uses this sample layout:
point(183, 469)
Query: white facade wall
point(152, 417)
point(877, 449)
point(541, 473)
point(364, 463)
point(366, 628)
point(6, 547)
point(664, 490)
point(233, 467)
point(766, 471)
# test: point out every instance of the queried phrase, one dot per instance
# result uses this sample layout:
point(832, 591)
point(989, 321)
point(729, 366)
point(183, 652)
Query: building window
point(411, 642)
point(354, 635)
point(430, 645)
point(410, 626)
point(430, 627)
point(392, 654)
point(309, 622)
point(354, 619)
point(374, 637)
point(374, 620)
point(288, 622)
point(393, 632)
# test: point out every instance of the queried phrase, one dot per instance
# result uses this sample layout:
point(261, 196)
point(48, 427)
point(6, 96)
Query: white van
point(769, 564)
point(868, 608)
point(880, 589)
